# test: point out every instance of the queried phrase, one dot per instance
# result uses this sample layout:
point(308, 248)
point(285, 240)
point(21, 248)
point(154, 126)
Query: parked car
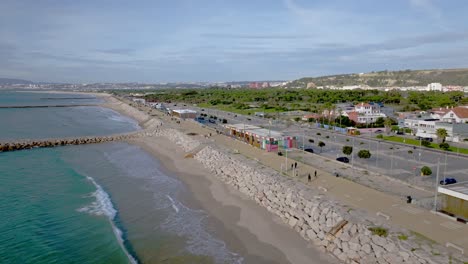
point(343, 159)
point(310, 150)
point(448, 181)
point(378, 131)
point(212, 121)
point(400, 133)
point(203, 109)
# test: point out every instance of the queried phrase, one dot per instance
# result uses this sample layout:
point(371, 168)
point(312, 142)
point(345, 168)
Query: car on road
point(400, 133)
point(310, 150)
point(212, 121)
point(378, 131)
point(203, 109)
point(448, 181)
point(343, 159)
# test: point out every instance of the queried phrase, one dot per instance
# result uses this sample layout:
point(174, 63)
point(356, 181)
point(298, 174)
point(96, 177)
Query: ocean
point(98, 203)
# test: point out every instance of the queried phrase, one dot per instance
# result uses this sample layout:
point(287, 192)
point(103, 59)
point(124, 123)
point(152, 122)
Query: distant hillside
point(389, 78)
point(6, 81)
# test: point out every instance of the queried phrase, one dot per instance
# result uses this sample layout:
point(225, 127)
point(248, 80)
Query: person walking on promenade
point(309, 178)
point(295, 165)
point(292, 166)
point(315, 174)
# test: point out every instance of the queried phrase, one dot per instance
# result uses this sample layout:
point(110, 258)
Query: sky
point(154, 41)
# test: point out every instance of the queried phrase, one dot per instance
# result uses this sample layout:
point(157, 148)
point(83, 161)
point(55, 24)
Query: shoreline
point(363, 246)
point(246, 227)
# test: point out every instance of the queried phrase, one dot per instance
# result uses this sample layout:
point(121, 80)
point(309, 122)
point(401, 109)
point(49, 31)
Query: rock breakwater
point(331, 226)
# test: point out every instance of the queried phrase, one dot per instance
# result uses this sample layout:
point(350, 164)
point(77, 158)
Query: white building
point(139, 100)
point(366, 108)
point(456, 115)
point(434, 87)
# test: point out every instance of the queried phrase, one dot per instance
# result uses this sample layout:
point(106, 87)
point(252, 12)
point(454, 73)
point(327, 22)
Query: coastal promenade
point(390, 209)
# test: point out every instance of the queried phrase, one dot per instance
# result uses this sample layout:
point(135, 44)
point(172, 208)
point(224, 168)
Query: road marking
point(347, 195)
point(426, 222)
point(395, 205)
point(451, 225)
point(359, 199)
point(411, 210)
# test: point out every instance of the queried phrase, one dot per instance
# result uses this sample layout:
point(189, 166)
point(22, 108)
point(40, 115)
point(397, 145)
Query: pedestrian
point(309, 178)
point(315, 174)
point(295, 165)
point(292, 166)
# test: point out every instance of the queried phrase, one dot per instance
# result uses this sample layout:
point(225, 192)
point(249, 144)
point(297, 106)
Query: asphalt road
point(391, 159)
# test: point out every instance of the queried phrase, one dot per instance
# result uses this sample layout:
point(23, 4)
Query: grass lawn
point(415, 142)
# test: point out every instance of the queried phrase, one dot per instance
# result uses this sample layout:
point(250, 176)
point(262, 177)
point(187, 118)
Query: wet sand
point(247, 228)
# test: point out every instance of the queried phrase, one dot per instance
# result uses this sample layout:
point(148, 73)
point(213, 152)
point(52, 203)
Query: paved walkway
point(430, 225)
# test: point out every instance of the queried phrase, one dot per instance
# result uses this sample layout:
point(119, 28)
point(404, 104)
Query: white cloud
point(428, 7)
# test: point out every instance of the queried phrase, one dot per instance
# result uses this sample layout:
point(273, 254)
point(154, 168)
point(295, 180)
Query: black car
point(400, 133)
point(310, 150)
point(212, 121)
point(448, 181)
point(378, 131)
point(343, 159)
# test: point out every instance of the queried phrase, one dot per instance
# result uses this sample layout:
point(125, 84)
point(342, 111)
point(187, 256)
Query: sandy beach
point(246, 227)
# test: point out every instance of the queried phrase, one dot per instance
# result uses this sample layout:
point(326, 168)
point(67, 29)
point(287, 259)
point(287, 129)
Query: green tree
point(441, 134)
point(364, 154)
point(426, 143)
point(426, 171)
point(388, 125)
point(347, 150)
point(444, 146)
point(321, 144)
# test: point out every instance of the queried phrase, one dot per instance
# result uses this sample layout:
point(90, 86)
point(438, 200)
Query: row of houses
point(425, 123)
point(362, 113)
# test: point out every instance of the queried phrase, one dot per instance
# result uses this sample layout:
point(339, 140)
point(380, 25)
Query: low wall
point(331, 226)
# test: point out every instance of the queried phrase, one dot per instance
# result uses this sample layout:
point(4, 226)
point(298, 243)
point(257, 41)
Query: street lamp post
point(437, 185)
point(391, 161)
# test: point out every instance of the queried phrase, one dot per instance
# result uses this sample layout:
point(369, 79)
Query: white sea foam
point(176, 209)
point(189, 223)
point(103, 206)
point(180, 219)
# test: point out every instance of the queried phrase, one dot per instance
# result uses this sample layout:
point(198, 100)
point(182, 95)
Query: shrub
point(379, 136)
point(379, 231)
point(318, 134)
point(410, 152)
point(403, 237)
point(425, 143)
point(311, 140)
point(426, 171)
point(347, 150)
point(327, 136)
point(444, 146)
point(364, 154)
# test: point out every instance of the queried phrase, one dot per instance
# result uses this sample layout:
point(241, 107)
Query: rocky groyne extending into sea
point(346, 233)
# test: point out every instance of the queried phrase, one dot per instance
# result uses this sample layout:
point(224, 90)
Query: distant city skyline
point(221, 41)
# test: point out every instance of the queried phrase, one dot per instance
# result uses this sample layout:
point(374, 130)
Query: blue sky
point(225, 40)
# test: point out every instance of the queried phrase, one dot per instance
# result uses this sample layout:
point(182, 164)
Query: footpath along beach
point(239, 191)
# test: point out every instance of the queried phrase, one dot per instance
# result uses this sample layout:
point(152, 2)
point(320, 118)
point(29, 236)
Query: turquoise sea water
point(99, 203)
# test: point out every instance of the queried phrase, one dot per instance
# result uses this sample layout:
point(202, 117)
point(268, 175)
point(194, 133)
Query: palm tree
point(388, 124)
point(441, 134)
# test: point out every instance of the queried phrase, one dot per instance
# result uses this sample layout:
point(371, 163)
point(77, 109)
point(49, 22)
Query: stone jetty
point(47, 143)
point(45, 106)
